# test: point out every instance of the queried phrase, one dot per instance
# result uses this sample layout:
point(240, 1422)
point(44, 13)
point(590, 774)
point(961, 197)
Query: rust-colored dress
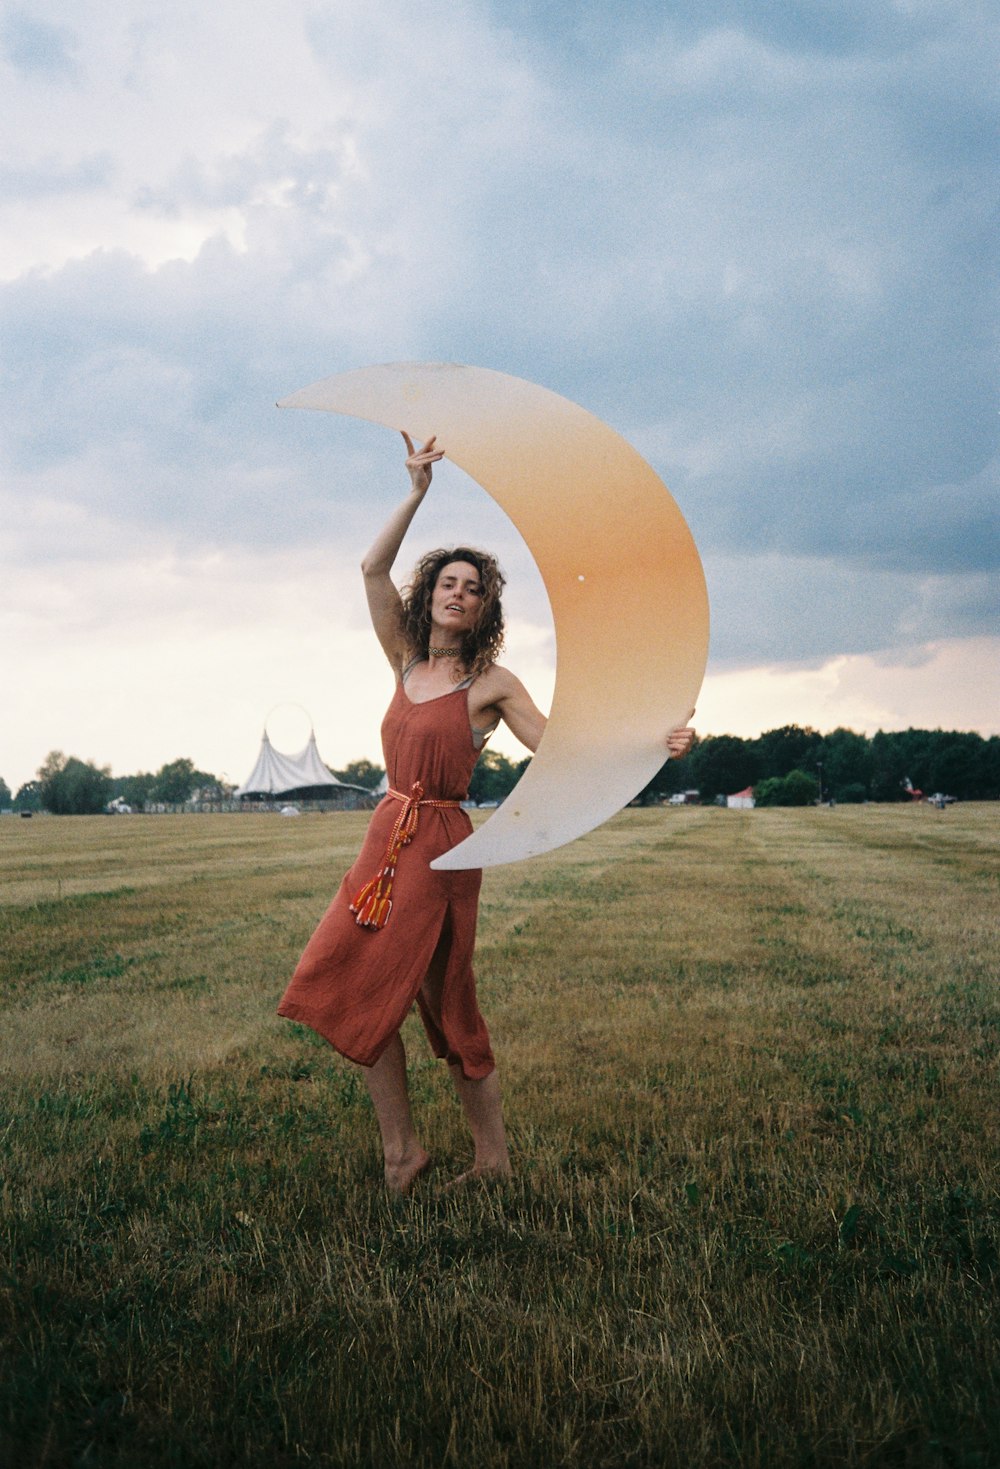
point(355, 985)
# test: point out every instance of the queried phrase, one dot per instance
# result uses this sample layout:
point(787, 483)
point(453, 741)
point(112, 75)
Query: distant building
point(741, 801)
point(684, 798)
point(302, 777)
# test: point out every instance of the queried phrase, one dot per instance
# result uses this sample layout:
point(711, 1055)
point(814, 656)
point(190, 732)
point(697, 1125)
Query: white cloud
point(951, 684)
point(135, 659)
point(757, 247)
point(139, 662)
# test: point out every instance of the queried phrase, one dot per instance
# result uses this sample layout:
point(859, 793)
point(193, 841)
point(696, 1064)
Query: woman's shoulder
point(496, 681)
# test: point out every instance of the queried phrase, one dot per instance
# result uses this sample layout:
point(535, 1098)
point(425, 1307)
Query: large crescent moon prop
point(621, 569)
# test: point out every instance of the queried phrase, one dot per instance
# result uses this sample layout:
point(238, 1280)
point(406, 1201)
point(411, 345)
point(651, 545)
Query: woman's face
point(457, 597)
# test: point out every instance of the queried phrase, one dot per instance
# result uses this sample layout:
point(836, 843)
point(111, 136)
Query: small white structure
point(742, 801)
point(276, 774)
point(684, 798)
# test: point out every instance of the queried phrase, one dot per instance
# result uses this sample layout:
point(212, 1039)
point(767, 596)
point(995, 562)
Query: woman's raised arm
point(383, 599)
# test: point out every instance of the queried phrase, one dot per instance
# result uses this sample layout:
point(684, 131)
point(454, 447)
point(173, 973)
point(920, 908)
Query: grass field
point(750, 1062)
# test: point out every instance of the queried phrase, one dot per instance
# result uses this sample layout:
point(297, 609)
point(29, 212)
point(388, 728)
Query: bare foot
point(400, 1177)
point(479, 1173)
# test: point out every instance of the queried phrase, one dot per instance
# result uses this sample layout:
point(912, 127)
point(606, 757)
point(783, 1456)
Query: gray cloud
point(52, 176)
point(32, 45)
point(795, 609)
point(309, 176)
point(760, 249)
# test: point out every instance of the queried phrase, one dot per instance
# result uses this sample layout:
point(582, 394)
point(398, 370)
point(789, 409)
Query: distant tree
point(54, 762)
point(5, 795)
point(136, 790)
point(493, 778)
point(673, 775)
point(177, 781)
point(29, 797)
point(797, 788)
point(918, 747)
point(989, 770)
point(360, 773)
point(72, 787)
point(721, 765)
point(888, 768)
point(846, 762)
point(800, 788)
point(791, 747)
point(955, 766)
point(852, 794)
point(767, 791)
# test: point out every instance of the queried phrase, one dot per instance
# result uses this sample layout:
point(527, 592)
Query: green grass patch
point(749, 1062)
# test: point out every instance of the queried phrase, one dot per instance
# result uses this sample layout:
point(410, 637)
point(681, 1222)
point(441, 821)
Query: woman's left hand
point(419, 461)
point(680, 739)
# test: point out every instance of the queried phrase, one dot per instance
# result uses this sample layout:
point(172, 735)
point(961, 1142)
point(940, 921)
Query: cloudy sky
point(758, 240)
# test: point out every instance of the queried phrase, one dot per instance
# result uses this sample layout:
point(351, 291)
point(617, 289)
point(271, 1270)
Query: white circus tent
point(276, 774)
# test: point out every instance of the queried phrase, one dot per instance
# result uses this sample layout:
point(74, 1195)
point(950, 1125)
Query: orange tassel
point(372, 905)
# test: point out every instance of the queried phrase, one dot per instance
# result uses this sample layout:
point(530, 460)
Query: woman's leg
point(480, 1098)
point(404, 1156)
point(484, 1113)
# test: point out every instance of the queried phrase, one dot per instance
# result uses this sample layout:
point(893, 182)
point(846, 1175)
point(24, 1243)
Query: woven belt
point(372, 905)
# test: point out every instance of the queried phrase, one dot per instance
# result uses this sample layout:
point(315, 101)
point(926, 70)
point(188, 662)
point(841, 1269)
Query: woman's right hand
point(419, 461)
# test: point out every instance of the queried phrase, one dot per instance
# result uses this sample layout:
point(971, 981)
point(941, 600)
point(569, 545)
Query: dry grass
point(750, 1061)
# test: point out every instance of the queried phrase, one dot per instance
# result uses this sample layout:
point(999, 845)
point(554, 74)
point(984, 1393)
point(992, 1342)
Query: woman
point(396, 932)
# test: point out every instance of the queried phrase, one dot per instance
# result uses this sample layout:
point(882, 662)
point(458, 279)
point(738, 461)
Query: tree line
point(794, 765)
point(68, 786)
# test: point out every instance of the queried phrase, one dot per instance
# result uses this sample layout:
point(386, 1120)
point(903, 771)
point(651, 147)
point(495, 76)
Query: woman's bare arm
point(501, 694)
point(498, 694)
point(384, 601)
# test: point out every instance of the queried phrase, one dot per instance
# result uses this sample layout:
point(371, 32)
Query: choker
point(444, 652)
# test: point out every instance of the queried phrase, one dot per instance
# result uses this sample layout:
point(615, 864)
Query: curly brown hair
point(481, 645)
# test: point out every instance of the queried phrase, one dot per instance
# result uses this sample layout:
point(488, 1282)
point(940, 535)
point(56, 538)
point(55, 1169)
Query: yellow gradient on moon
point(619, 564)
